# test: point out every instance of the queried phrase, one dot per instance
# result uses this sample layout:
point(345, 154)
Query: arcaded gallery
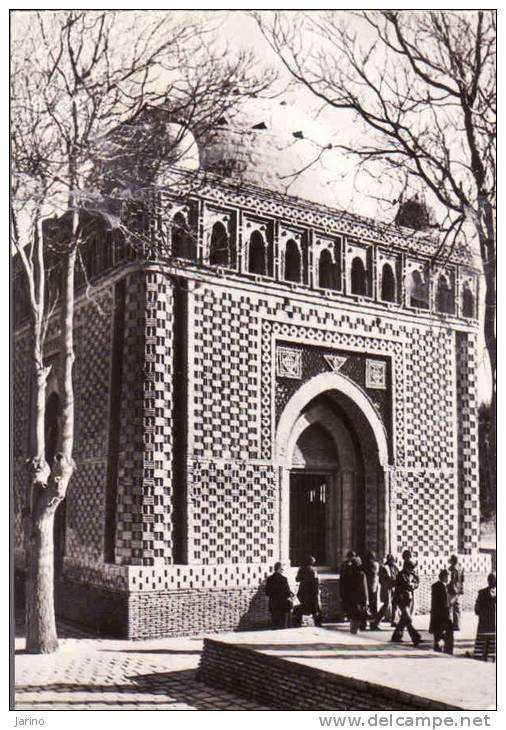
point(262, 376)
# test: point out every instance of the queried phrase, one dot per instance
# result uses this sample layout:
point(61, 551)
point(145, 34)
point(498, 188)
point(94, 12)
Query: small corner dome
point(142, 153)
point(414, 213)
point(277, 147)
point(184, 150)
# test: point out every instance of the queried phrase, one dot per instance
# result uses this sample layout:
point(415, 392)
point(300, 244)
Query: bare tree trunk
point(68, 351)
point(41, 637)
point(39, 604)
point(488, 249)
point(48, 484)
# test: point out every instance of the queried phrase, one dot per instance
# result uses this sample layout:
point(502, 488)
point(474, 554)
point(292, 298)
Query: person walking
point(280, 595)
point(485, 609)
point(358, 598)
point(308, 594)
point(371, 570)
point(407, 557)
point(387, 577)
point(406, 584)
point(456, 589)
point(441, 622)
point(344, 581)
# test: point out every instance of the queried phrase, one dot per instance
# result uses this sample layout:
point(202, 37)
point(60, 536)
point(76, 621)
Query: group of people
point(374, 592)
point(282, 602)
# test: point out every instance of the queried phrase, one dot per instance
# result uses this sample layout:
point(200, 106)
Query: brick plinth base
point(152, 614)
point(286, 685)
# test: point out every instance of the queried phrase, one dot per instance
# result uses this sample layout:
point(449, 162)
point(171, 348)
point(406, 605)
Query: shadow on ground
point(161, 688)
point(65, 630)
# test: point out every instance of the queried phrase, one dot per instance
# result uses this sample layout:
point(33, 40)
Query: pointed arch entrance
point(332, 453)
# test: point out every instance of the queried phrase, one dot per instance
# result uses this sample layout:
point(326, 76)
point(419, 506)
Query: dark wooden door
point(308, 501)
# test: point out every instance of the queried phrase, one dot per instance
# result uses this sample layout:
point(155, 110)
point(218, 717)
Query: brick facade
point(186, 378)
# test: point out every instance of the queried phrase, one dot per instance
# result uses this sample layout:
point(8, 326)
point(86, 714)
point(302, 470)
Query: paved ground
point(89, 673)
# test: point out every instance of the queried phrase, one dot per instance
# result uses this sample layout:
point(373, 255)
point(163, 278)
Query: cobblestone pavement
point(92, 673)
point(88, 673)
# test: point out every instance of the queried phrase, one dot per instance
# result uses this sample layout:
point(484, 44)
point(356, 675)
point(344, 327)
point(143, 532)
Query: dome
point(144, 152)
point(277, 147)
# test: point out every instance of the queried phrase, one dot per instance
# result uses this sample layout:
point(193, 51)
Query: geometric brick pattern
point(145, 579)
point(329, 331)
point(233, 512)
point(91, 374)
point(230, 503)
point(314, 362)
point(20, 437)
point(21, 371)
point(337, 222)
point(430, 420)
point(426, 511)
point(144, 493)
point(467, 443)
point(225, 373)
point(84, 534)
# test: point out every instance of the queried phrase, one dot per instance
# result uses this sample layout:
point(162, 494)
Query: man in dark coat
point(344, 576)
point(308, 594)
point(406, 584)
point(456, 589)
point(279, 593)
point(485, 609)
point(441, 623)
point(408, 558)
point(358, 598)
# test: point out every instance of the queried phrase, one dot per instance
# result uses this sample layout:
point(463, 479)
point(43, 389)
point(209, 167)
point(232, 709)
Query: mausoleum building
point(259, 376)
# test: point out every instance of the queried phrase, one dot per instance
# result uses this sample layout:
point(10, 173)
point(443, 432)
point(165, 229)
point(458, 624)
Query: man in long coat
point(308, 593)
point(371, 570)
point(279, 593)
point(344, 580)
point(456, 589)
point(441, 623)
point(485, 609)
point(358, 597)
point(388, 573)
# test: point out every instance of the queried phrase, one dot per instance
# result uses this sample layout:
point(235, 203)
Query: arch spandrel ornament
point(319, 384)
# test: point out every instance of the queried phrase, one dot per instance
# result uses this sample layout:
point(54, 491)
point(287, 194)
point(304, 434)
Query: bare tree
point(77, 78)
point(423, 86)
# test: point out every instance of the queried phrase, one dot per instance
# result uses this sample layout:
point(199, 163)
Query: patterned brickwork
point(422, 375)
point(329, 220)
point(144, 502)
point(20, 434)
point(226, 373)
point(426, 511)
point(21, 361)
point(231, 501)
point(233, 512)
point(467, 440)
point(330, 329)
point(19, 483)
point(313, 363)
point(430, 399)
point(84, 535)
point(92, 373)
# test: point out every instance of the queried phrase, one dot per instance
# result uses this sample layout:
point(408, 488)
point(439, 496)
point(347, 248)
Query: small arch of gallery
point(327, 265)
